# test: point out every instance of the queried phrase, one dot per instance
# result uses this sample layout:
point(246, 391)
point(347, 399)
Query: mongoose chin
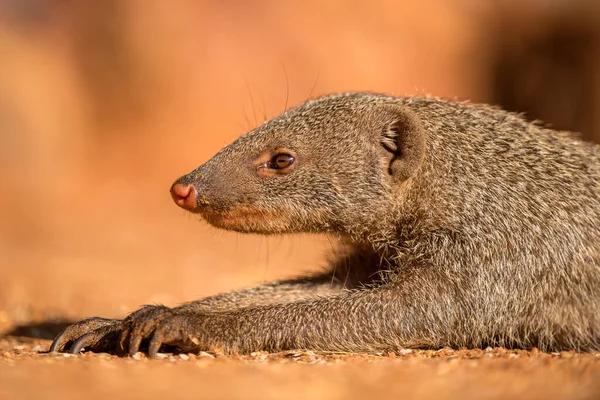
point(464, 225)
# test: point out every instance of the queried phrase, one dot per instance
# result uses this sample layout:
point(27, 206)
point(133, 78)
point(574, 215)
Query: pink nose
point(184, 196)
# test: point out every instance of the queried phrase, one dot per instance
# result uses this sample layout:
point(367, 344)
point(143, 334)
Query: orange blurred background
point(103, 104)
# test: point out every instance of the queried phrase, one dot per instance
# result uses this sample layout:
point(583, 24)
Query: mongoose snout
point(184, 195)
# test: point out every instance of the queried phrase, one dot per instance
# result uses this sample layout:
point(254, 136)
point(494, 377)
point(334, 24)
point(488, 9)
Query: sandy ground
point(28, 372)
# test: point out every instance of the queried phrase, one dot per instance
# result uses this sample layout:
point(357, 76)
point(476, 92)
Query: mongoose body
point(464, 225)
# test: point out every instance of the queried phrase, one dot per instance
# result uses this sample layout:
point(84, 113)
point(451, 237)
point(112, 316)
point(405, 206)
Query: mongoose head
point(328, 165)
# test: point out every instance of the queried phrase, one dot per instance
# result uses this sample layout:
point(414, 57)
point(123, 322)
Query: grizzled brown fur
point(465, 226)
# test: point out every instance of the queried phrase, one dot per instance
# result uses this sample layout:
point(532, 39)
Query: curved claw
point(58, 342)
point(82, 342)
point(139, 326)
point(176, 331)
point(99, 339)
point(155, 343)
point(75, 331)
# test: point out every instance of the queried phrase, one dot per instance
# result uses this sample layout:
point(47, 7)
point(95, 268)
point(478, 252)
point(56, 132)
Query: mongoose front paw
point(157, 325)
point(95, 333)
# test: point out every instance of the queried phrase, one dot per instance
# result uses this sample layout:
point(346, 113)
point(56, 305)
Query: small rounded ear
point(405, 138)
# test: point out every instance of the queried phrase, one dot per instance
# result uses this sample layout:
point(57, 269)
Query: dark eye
point(281, 161)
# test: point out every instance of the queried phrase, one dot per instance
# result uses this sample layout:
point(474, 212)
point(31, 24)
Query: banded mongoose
point(465, 225)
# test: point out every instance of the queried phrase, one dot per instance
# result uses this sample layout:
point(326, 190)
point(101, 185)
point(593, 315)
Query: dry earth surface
point(27, 371)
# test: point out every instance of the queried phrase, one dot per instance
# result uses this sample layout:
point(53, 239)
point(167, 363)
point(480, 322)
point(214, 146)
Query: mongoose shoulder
point(465, 225)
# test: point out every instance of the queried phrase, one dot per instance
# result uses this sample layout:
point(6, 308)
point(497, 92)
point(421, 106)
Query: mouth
point(240, 218)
